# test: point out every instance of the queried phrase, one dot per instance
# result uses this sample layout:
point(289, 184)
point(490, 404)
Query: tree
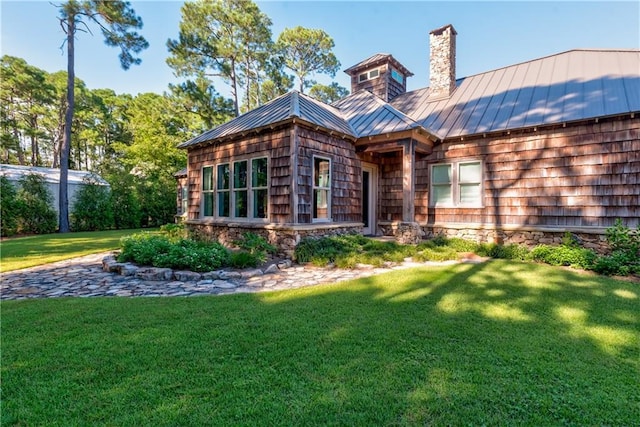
point(307, 51)
point(328, 94)
point(222, 38)
point(36, 206)
point(116, 20)
point(198, 97)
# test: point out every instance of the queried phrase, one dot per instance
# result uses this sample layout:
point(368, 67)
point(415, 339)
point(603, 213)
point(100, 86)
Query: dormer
point(381, 75)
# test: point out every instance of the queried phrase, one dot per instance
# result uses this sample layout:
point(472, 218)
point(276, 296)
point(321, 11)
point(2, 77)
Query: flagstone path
point(84, 277)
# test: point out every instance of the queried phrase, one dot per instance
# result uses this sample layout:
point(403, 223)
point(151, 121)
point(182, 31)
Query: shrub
point(124, 201)
point(438, 253)
point(37, 214)
point(174, 231)
point(564, 256)
point(92, 209)
point(625, 251)
point(256, 245)
point(162, 251)
point(9, 208)
point(244, 259)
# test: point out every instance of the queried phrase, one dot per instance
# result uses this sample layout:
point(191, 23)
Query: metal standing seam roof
point(370, 115)
point(569, 86)
point(290, 105)
point(566, 87)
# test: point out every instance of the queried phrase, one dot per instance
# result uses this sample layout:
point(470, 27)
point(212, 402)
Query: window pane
point(374, 73)
point(321, 204)
point(207, 178)
point(208, 204)
point(241, 203)
point(441, 174)
point(259, 172)
point(470, 172)
point(260, 203)
point(223, 177)
point(442, 194)
point(240, 174)
point(223, 203)
point(321, 173)
point(470, 194)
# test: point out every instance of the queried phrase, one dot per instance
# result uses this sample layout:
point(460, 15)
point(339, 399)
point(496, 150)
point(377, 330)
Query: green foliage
point(307, 51)
point(437, 253)
point(127, 212)
point(256, 246)
point(328, 94)
point(160, 250)
point(174, 231)
point(624, 258)
point(36, 206)
point(92, 209)
point(573, 256)
point(243, 259)
point(9, 208)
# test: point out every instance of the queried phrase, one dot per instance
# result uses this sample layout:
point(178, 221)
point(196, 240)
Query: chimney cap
point(441, 30)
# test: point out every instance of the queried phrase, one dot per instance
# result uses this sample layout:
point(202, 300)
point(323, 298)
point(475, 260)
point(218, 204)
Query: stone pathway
point(85, 277)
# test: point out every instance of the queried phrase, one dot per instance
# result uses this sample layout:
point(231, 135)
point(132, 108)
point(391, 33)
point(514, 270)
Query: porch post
point(408, 180)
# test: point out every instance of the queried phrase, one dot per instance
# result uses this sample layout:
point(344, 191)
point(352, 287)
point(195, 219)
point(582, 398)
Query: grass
point(499, 343)
point(23, 252)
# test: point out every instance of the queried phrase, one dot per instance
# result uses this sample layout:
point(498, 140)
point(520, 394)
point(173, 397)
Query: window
point(259, 187)
point(223, 190)
point(368, 75)
point(239, 189)
point(321, 189)
point(456, 184)
point(184, 199)
point(207, 191)
point(395, 75)
point(240, 199)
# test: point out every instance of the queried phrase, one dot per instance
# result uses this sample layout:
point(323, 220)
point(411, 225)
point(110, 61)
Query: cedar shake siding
point(346, 176)
point(581, 176)
point(274, 145)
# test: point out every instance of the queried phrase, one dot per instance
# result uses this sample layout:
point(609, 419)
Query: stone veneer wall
point(593, 238)
point(442, 62)
point(284, 237)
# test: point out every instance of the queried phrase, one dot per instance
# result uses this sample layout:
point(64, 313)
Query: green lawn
point(23, 252)
point(500, 343)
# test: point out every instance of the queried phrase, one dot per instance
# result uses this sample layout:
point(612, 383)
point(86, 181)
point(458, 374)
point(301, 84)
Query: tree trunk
point(234, 88)
point(68, 120)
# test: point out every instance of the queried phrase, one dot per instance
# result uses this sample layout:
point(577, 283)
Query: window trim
point(365, 76)
point(455, 184)
point(203, 192)
point(328, 189)
point(231, 191)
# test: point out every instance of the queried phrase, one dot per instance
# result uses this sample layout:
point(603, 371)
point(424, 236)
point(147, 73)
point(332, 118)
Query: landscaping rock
point(127, 269)
point(204, 282)
point(154, 274)
point(211, 275)
point(187, 276)
point(271, 269)
point(251, 273)
point(283, 265)
point(223, 284)
point(225, 275)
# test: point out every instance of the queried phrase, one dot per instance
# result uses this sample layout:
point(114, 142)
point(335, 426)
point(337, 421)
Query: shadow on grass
point(496, 343)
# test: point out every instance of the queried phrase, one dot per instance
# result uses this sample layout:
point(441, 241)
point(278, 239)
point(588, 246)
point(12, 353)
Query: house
point(75, 180)
point(520, 154)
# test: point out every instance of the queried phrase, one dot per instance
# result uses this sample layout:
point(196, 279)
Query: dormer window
point(372, 74)
point(395, 75)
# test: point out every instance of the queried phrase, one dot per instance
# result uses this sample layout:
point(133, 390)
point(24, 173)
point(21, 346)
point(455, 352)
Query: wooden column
point(293, 146)
point(408, 180)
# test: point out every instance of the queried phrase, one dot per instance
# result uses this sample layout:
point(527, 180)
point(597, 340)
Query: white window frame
point(456, 183)
point(368, 75)
point(322, 188)
point(204, 192)
point(232, 189)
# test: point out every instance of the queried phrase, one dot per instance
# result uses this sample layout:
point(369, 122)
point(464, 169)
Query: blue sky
point(490, 35)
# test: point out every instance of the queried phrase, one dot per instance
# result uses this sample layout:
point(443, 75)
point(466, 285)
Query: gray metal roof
point(570, 86)
point(50, 175)
point(370, 115)
point(285, 107)
point(377, 59)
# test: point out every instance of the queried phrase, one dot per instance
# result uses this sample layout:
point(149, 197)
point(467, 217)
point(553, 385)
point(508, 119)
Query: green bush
point(256, 245)
point(438, 253)
point(564, 256)
point(92, 209)
point(244, 259)
point(37, 214)
point(9, 208)
point(125, 203)
point(624, 258)
point(162, 251)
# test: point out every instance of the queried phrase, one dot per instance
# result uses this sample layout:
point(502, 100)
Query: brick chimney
point(442, 64)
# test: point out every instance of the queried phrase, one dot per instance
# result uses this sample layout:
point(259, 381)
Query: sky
point(490, 35)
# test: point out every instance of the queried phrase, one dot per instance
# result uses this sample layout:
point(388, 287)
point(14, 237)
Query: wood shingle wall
point(346, 174)
point(584, 175)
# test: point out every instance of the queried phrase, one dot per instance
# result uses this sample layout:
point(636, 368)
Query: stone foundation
point(589, 238)
point(404, 232)
point(283, 237)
